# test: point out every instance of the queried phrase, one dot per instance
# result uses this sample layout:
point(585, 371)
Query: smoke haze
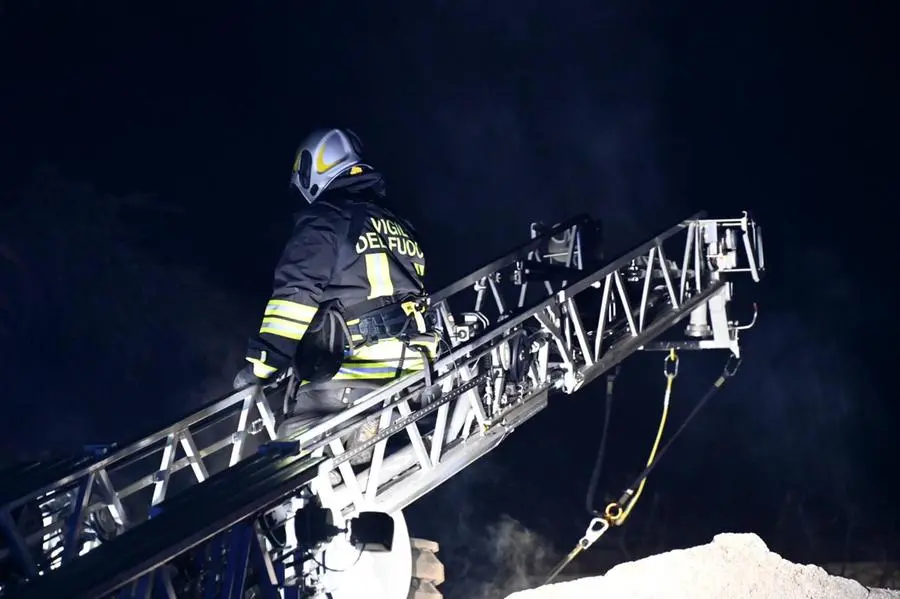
point(122, 342)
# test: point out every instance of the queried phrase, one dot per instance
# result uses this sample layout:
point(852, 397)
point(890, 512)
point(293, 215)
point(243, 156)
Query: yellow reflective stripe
point(372, 369)
point(289, 309)
point(392, 349)
point(261, 369)
point(378, 271)
point(283, 328)
point(420, 269)
point(386, 349)
point(352, 376)
point(380, 364)
point(356, 373)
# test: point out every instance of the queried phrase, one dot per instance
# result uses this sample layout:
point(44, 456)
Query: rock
point(732, 566)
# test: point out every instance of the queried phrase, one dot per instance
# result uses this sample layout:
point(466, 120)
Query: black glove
point(245, 377)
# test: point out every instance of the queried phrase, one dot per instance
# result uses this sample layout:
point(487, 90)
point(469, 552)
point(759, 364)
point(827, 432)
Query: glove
point(245, 377)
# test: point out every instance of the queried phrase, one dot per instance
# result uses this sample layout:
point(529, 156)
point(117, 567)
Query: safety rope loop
point(614, 510)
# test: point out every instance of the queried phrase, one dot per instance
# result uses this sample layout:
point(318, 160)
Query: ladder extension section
point(542, 318)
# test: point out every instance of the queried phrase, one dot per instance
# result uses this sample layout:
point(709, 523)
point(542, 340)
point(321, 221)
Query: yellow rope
point(615, 512)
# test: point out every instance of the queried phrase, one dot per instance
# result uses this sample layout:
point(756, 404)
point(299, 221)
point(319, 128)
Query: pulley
point(520, 357)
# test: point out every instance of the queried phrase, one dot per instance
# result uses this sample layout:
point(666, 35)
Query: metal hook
point(744, 327)
point(594, 531)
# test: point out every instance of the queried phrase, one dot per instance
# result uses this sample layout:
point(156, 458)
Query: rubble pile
point(732, 566)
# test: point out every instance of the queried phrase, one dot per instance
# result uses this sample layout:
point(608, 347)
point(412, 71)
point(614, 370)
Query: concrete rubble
point(732, 566)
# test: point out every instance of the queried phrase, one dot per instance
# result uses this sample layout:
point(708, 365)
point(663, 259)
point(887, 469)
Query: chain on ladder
point(617, 512)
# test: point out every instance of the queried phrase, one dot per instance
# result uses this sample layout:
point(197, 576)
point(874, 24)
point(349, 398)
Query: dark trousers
point(314, 403)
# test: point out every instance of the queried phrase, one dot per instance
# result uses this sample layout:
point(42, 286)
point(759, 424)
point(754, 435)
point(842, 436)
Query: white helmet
point(325, 155)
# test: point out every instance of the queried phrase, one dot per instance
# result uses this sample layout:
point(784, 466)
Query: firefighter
point(346, 311)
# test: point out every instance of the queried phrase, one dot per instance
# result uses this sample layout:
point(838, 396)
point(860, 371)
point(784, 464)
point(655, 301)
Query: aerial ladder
point(268, 517)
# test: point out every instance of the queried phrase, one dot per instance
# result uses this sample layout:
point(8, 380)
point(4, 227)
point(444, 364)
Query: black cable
point(601, 452)
point(322, 564)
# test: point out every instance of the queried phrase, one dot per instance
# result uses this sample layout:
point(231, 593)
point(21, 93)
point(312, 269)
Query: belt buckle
point(413, 309)
point(410, 307)
point(365, 329)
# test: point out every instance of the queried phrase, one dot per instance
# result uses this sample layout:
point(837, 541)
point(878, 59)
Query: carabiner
point(731, 366)
point(670, 364)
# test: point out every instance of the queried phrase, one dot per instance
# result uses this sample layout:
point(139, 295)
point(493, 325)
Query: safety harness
point(400, 318)
point(367, 322)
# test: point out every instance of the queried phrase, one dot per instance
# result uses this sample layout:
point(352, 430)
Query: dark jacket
point(325, 261)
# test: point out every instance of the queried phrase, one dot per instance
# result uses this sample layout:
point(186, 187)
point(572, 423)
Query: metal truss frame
point(523, 336)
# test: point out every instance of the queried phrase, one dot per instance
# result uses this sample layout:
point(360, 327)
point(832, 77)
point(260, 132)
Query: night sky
point(146, 151)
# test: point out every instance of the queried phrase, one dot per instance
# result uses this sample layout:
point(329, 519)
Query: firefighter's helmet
point(324, 156)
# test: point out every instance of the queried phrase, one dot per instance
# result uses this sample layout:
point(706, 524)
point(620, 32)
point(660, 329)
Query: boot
point(364, 433)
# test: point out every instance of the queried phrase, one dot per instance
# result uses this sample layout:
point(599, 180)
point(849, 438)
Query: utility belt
point(364, 324)
point(369, 322)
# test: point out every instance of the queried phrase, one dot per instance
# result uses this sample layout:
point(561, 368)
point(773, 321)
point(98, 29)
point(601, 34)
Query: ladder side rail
point(110, 497)
point(505, 260)
point(730, 247)
point(110, 457)
point(242, 493)
point(712, 255)
point(61, 529)
point(451, 425)
point(621, 350)
point(403, 481)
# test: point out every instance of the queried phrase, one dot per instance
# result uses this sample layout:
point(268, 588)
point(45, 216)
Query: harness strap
point(371, 307)
point(397, 319)
point(426, 360)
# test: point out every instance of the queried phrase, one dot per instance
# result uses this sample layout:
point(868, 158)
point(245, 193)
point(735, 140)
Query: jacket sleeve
point(301, 275)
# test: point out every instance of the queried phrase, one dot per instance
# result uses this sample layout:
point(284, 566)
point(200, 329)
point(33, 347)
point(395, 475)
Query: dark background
point(146, 149)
